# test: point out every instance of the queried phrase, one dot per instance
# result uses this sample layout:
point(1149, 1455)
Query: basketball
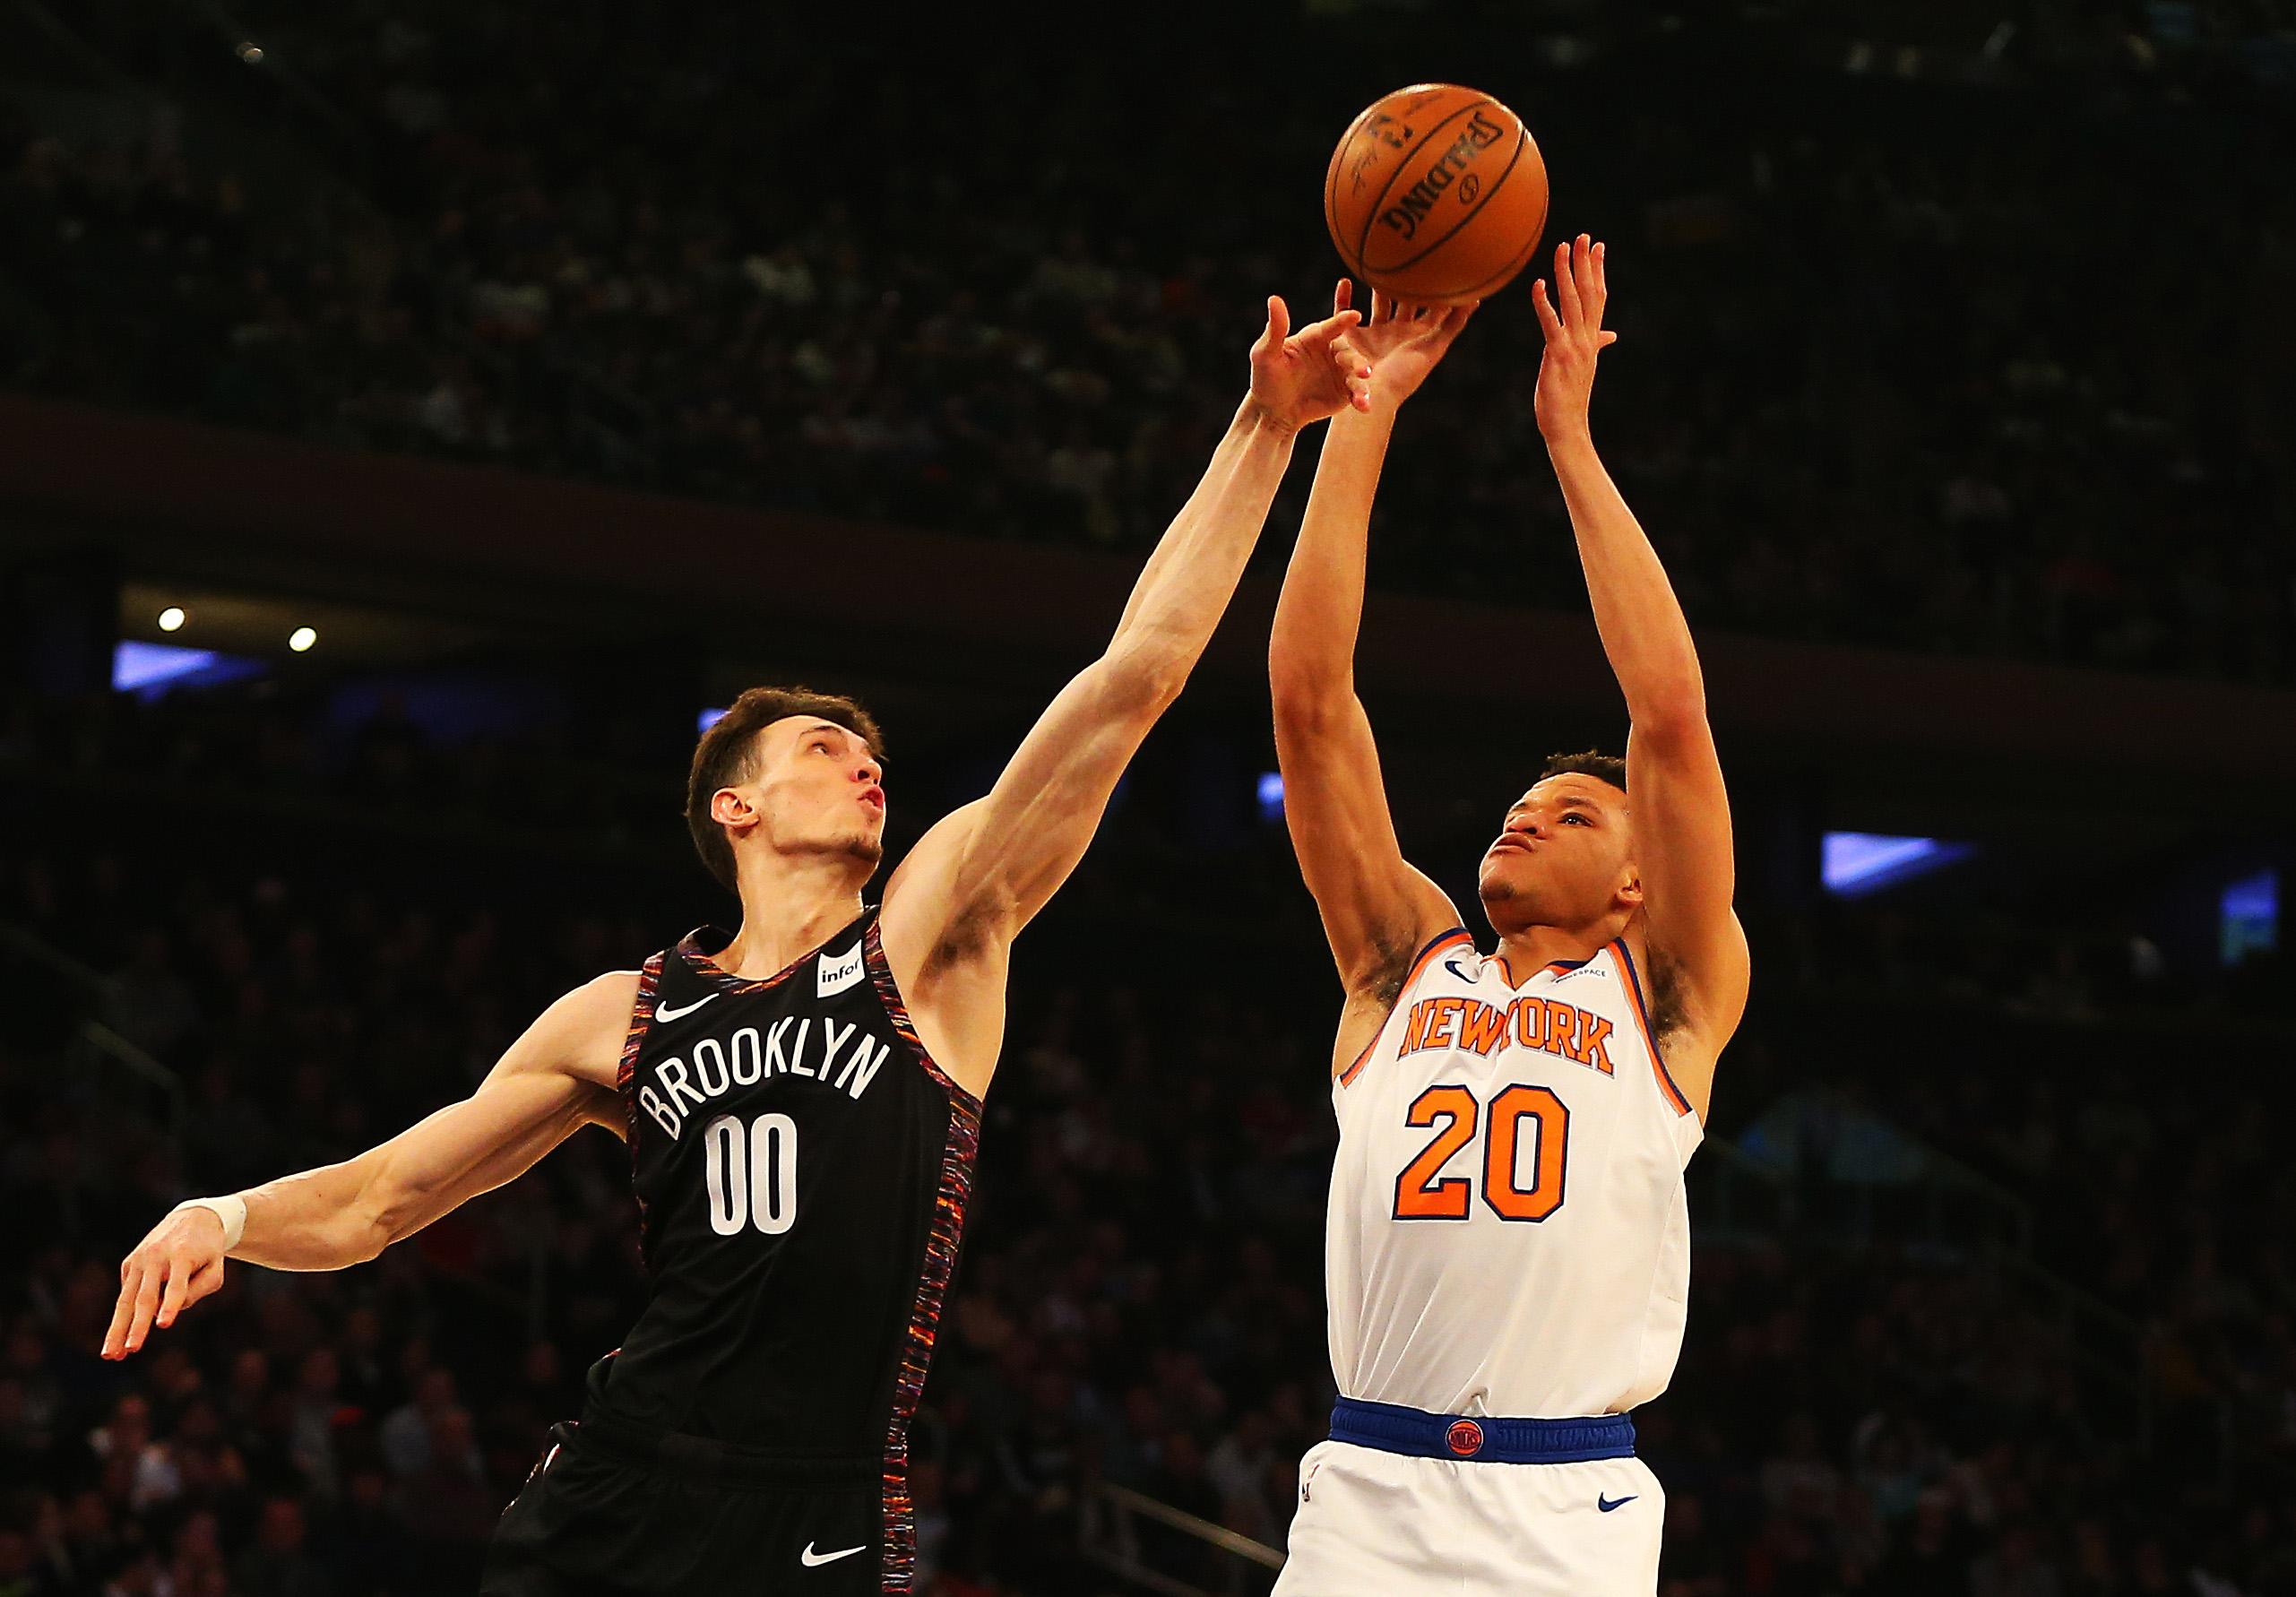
point(1436, 194)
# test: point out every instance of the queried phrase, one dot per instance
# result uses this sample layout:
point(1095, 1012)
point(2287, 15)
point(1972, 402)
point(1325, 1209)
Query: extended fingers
point(147, 1304)
point(1548, 323)
point(171, 1301)
point(1343, 296)
point(1590, 284)
point(131, 1278)
point(1566, 287)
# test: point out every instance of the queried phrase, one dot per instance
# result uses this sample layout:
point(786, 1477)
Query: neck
point(790, 906)
point(1535, 947)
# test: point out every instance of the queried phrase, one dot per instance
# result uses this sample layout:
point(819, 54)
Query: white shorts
point(1372, 1523)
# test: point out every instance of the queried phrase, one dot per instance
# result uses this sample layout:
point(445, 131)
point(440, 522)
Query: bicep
point(1376, 907)
point(995, 862)
point(545, 1087)
point(1685, 852)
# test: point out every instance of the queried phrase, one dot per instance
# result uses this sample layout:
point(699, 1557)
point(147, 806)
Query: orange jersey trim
point(1641, 1023)
point(1450, 939)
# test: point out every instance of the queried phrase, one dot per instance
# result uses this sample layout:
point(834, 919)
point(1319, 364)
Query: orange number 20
point(1422, 1193)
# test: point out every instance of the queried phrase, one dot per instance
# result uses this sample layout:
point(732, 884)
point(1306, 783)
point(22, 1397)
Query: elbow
point(1308, 691)
point(1674, 720)
point(371, 1225)
point(1300, 674)
point(1141, 677)
point(1304, 707)
point(369, 1241)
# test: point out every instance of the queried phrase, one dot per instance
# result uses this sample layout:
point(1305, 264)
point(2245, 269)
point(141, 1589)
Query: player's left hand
point(1304, 376)
point(1403, 341)
point(1575, 338)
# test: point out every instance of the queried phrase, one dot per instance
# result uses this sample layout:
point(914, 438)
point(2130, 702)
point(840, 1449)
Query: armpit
point(1669, 1011)
point(1389, 970)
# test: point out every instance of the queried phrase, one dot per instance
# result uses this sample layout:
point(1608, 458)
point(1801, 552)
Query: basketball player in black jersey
point(802, 1100)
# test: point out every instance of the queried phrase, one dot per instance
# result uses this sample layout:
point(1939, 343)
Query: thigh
point(588, 1525)
point(1374, 1525)
point(1588, 1529)
point(577, 1528)
point(796, 1539)
point(1367, 1524)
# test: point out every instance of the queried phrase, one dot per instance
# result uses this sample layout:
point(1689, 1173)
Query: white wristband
point(231, 1211)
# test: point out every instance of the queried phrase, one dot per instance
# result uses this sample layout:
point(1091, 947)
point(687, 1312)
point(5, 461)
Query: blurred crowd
point(1140, 1300)
point(1926, 366)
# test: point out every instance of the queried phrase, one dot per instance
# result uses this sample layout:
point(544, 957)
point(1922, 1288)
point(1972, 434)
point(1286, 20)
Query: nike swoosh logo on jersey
point(813, 1560)
point(667, 1013)
point(1452, 965)
point(1606, 1504)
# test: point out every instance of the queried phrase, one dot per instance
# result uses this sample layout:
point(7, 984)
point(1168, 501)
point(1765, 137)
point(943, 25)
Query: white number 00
point(752, 1173)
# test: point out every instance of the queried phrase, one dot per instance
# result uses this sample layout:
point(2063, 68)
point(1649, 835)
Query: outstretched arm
point(1674, 780)
point(1376, 908)
point(980, 875)
point(546, 1086)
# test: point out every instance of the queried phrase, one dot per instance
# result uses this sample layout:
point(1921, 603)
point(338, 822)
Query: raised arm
point(553, 1080)
point(1674, 780)
point(1376, 908)
point(980, 875)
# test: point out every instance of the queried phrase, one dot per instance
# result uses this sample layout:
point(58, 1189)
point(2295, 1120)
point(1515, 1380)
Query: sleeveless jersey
point(1507, 1233)
point(801, 1167)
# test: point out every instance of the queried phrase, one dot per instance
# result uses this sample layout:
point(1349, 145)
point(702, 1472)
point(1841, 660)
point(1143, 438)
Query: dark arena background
point(418, 414)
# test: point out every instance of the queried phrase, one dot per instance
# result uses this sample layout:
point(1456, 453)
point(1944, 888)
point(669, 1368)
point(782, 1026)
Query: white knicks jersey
point(1507, 1233)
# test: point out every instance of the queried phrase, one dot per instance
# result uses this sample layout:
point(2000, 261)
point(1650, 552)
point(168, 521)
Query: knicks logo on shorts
point(1466, 1438)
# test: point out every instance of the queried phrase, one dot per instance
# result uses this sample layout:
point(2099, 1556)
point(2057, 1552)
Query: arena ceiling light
point(2248, 916)
point(173, 617)
point(148, 669)
point(301, 639)
point(1853, 863)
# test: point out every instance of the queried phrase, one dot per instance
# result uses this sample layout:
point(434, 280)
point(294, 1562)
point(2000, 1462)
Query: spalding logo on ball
point(1437, 195)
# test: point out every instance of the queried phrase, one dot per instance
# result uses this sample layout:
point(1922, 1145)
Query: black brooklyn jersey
point(801, 1166)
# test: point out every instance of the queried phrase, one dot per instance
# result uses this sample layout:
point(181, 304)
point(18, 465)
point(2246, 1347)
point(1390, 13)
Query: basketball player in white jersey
point(1508, 1245)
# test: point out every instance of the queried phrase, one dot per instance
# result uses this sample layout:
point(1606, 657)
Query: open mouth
point(873, 797)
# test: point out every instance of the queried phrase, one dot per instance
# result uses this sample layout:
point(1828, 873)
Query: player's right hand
point(1304, 376)
point(179, 1263)
point(1403, 341)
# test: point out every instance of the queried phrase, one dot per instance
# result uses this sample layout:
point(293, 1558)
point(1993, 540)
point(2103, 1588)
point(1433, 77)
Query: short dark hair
point(1592, 762)
point(722, 757)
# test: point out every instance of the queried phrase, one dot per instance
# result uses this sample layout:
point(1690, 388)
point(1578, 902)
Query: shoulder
point(924, 924)
point(1399, 958)
point(1701, 1002)
point(582, 1031)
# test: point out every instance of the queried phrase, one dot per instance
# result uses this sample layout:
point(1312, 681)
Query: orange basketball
point(1435, 194)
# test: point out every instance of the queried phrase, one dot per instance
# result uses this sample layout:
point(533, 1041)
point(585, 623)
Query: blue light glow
point(147, 669)
point(709, 718)
point(2250, 916)
point(1859, 862)
point(1270, 795)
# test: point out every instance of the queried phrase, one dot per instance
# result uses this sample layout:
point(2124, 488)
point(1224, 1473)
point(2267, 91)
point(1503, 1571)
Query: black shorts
point(611, 1512)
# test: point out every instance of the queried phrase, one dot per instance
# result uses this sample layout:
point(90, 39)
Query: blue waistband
point(1486, 1438)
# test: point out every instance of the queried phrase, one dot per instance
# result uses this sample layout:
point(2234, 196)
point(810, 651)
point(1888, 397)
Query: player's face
point(818, 790)
point(1563, 856)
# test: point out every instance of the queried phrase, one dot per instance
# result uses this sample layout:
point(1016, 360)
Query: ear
point(1630, 892)
point(727, 808)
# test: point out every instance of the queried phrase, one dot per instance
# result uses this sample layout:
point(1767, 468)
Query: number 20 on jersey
point(1422, 1192)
